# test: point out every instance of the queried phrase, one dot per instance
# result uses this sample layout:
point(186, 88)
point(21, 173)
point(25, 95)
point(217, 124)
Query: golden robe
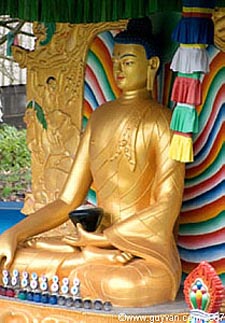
point(124, 151)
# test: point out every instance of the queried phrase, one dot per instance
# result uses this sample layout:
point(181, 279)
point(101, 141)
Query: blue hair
point(139, 32)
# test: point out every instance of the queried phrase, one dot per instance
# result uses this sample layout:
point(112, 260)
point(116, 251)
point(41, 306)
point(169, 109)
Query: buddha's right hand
point(124, 257)
point(8, 245)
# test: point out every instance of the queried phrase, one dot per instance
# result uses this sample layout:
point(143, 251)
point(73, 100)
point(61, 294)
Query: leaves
point(39, 113)
point(15, 161)
point(13, 148)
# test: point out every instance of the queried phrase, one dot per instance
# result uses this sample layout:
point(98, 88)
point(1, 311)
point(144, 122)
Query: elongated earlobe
point(149, 79)
point(153, 66)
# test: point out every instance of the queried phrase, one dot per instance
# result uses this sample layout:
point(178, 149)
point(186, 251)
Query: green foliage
point(15, 176)
point(13, 149)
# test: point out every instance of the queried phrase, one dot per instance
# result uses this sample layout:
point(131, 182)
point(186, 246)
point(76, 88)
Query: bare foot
point(51, 244)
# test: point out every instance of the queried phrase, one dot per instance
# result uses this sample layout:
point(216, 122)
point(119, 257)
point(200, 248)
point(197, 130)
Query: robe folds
point(125, 152)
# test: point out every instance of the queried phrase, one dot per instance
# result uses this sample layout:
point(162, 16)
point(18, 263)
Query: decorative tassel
point(181, 148)
point(199, 4)
point(187, 90)
point(194, 31)
point(199, 59)
point(184, 119)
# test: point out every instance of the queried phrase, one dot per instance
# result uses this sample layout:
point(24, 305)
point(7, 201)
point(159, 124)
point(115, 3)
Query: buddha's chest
point(121, 150)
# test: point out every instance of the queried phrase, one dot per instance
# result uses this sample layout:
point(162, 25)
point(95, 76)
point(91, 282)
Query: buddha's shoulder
point(104, 107)
point(155, 112)
point(158, 112)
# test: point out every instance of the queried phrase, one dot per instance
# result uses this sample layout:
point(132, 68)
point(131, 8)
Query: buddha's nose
point(120, 67)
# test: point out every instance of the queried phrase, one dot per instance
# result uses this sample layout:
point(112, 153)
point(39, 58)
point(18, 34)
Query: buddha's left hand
point(83, 238)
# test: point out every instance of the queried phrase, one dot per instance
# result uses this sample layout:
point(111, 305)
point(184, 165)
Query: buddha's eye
point(128, 63)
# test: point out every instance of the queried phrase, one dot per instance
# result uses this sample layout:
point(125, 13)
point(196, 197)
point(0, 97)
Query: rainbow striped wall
point(99, 84)
point(202, 229)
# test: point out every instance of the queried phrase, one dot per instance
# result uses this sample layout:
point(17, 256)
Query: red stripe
point(102, 52)
point(201, 240)
point(196, 15)
point(203, 213)
point(216, 147)
point(87, 109)
point(193, 191)
point(219, 265)
point(90, 76)
point(216, 106)
point(183, 134)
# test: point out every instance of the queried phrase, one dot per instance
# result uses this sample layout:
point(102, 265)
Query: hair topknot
point(141, 27)
point(139, 31)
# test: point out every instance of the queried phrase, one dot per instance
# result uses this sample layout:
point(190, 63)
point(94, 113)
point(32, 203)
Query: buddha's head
point(135, 63)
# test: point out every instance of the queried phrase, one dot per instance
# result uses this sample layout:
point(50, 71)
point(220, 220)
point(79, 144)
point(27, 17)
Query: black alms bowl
point(89, 218)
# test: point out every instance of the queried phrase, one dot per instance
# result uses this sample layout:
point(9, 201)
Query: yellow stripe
point(193, 45)
point(197, 9)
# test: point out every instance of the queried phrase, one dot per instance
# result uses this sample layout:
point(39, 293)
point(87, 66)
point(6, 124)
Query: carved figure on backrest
point(60, 53)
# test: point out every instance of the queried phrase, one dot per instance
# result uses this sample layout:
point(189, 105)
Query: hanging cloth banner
point(199, 59)
point(187, 89)
point(184, 119)
point(194, 32)
point(181, 147)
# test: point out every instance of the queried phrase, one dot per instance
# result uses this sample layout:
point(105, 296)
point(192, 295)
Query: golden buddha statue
point(132, 259)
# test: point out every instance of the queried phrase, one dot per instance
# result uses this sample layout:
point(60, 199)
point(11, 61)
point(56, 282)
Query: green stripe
point(222, 277)
point(194, 75)
point(209, 171)
point(94, 62)
point(216, 84)
point(84, 122)
point(184, 119)
point(212, 225)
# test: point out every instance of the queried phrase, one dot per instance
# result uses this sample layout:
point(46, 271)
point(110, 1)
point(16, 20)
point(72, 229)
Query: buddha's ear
point(153, 66)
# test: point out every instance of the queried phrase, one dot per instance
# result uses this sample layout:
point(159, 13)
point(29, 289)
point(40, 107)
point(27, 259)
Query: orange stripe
point(87, 110)
point(100, 50)
point(219, 266)
point(209, 160)
point(203, 213)
point(215, 66)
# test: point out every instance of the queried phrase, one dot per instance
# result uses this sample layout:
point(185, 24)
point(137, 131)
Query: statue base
point(17, 311)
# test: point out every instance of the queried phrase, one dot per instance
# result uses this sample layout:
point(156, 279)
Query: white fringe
point(189, 60)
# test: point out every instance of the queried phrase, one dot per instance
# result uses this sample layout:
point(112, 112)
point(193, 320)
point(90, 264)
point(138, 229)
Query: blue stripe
point(209, 254)
point(89, 96)
point(199, 3)
point(218, 122)
point(203, 227)
point(205, 198)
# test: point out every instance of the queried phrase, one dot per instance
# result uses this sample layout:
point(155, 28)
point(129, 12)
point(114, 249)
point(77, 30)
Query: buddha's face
point(130, 66)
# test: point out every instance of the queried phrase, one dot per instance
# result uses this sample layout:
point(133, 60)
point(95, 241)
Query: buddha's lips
point(120, 78)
